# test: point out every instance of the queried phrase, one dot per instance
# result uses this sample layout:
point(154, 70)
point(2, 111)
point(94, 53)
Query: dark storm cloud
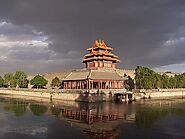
point(142, 32)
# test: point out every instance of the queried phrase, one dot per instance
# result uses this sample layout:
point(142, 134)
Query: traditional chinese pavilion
point(100, 55)
point(100, 70)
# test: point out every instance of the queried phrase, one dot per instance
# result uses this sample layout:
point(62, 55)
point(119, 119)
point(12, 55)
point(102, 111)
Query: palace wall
point(63, 74)
point(45, 96)
point(159, 93)
point(68, 95)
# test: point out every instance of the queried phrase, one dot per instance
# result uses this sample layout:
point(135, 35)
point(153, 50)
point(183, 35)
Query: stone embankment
point(38, 95)
point(54, 95)
point(159, 93)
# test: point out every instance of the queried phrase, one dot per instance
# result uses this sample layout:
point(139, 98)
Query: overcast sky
point(53, 35)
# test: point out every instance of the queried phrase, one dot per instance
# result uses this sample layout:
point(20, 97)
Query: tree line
point(20, 80)
point(146, 78)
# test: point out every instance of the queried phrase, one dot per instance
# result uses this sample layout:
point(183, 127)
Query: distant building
point(100, 70)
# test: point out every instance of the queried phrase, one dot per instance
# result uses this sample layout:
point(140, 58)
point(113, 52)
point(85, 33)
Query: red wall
point(100, 64)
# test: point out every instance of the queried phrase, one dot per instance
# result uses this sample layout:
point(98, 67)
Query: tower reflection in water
point(95, 120)
point(98, 120)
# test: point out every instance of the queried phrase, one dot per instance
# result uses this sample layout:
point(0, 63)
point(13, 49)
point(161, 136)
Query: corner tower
point(100, 56)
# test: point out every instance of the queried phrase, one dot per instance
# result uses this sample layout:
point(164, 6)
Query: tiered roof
point(94, 75)
point(95, 54)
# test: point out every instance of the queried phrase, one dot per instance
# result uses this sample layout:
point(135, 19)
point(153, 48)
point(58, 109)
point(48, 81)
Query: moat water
point(159, 119)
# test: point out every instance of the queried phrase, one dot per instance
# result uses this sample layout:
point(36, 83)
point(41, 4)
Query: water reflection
point(18, 108)
point(91, 120)
point(55, 111)
point(38, 109)
point(147, 116)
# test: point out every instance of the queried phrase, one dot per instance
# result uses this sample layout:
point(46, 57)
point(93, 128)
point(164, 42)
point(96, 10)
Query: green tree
point(148, 79)
point(1, 82)
point(172, 82)
point(147, 82)
point(156, 81)
point(144, 77)
point(56, 82)
point(8, 78)
point(180, 80)
point(165, 81)
point(38, 81)
point(139, 75)
point(13, 83)
point(20, 79)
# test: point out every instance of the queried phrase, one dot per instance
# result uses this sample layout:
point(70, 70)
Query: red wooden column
point(87, 84)
point(77, 85)
point(122, 84)
point(81, 82)
point(83, 85)
point(113, 84)
point(68, 85)
point(119, 84)
point(71, 84)
point(116, 84)
point(65, 86)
